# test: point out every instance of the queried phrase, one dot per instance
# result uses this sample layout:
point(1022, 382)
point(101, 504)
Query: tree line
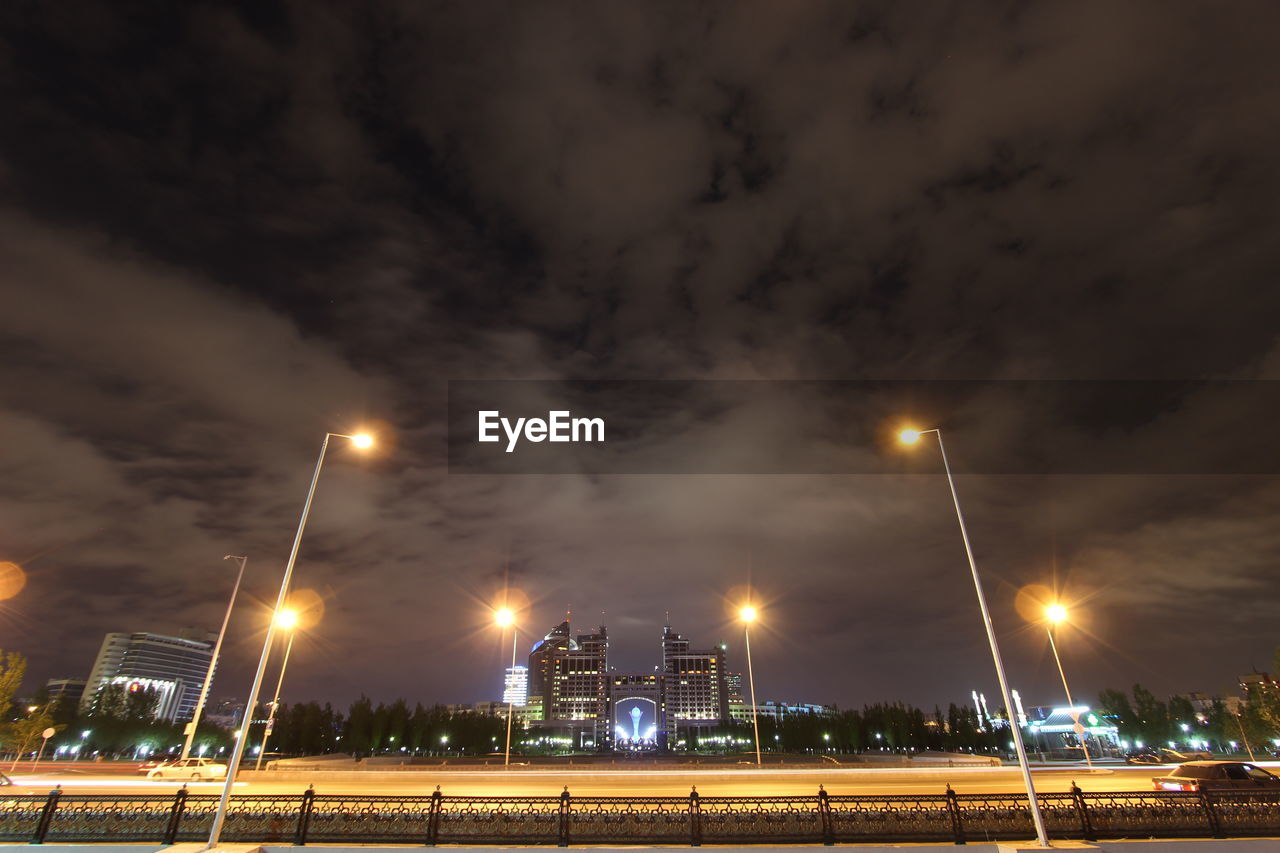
point(1144, 719)
point(121, 723)
point(309, 728)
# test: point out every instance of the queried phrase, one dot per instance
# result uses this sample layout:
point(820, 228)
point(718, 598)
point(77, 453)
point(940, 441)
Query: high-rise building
point(738, 706)
point(515, 686)
point(696, 691)
point(541, 656)
point(174, 667)
point(571, 676)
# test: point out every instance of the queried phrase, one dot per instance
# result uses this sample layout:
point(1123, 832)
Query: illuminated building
point(696, 693)
point(585, 705)
point(640, 716)
point(515, 686)
point(688, 692)
point(174, 667)
point(782, 710)
point(571, 676)
point(1053, 731)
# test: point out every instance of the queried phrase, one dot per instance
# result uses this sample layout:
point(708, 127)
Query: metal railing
point(694, 820)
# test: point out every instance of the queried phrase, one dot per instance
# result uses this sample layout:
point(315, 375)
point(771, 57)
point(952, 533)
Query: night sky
point(227, 229)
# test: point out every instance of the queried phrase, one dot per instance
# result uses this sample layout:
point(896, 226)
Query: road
point(636, 782)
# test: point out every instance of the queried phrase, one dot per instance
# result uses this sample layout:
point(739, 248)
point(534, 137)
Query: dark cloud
point(228, 228)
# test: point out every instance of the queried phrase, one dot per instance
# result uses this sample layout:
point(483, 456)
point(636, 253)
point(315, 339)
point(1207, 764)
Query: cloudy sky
point(226, 229)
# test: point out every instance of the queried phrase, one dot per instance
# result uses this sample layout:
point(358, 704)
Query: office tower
point(696, 692)
point(174, 667)
point(515, 689)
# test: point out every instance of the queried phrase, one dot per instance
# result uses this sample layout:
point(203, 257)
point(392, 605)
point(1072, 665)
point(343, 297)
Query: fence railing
point(694, 820)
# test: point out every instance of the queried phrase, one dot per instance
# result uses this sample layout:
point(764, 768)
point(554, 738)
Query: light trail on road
point(677, 783)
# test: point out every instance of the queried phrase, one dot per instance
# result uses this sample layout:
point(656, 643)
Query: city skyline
point(230, 231)
point(1229, 684)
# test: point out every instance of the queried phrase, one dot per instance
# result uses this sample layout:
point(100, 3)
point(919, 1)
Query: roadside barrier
point(693, 820)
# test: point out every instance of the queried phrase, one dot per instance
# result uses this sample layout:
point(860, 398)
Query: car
point(194, 769)
point(1165, 756)
point(1217, 776)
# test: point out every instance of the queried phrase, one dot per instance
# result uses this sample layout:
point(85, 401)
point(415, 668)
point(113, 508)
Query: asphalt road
point(667, 782)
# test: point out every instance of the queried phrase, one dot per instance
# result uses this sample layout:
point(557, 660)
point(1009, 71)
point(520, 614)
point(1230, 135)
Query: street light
point(748, 615)
point(213, 661)
point(1055, 614)
point(912, 436)
point(504, 617)
point(288, 621)
point(360, 440)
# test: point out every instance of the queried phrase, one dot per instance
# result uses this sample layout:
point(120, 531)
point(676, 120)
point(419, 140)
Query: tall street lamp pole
point(213, 661)
point(1055, 614)
point(911, 436)
point(506, 618)
point(1244, 736)
point(361, 441)
point(748, 615)
point(288, 620)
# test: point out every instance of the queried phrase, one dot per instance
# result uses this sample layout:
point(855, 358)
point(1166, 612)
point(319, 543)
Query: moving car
point(1165, 756)
point(189, 768)
point(1217, 776)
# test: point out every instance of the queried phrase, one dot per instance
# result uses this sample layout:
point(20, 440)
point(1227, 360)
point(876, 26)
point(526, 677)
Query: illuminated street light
point(1056, 614)
point(286, 620)
point(362, 441)
point(213, 661)
point(748, 615)
point(912, 436)
point(504, 617)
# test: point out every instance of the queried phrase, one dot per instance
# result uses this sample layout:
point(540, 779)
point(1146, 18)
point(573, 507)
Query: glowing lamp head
point(747, 614)
point(909, 436)
point(287, 619)
point(362, 440)
point(504, 617)
point(1055, 613)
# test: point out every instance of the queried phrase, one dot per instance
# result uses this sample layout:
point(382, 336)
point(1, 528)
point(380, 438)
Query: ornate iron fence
point(692, 820)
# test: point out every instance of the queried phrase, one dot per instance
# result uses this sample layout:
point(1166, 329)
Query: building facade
point(575, 697)
point(515, 686)
point(697, 690)
point(569, 675)
point(66, 690)
point(174, 667)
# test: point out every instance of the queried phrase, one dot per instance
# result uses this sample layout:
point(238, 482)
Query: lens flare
point(12, 580)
